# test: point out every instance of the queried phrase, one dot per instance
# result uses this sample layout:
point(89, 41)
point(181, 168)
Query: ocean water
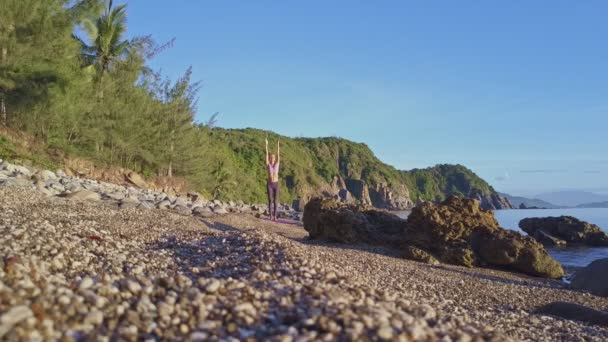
point(568, 256)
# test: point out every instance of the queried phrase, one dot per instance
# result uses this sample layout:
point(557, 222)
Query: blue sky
point(515, 90)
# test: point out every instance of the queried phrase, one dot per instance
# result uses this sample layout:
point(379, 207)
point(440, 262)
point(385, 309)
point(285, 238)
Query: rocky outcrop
point(593, 278)
point(381, 195)
point(564, 230)
point(456, 231)
point(359, 189)
point(326, 219)
point(385, 197)
point(459, 231)
point(491, 201)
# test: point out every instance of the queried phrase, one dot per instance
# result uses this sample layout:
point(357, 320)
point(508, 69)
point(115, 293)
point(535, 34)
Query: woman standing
point(272, 183)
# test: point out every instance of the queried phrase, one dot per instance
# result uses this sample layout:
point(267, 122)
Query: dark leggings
point(273, 197)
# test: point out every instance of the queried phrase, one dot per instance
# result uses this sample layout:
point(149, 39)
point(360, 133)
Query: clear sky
point(515, 90)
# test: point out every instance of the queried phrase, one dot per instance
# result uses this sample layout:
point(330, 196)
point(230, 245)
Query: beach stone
point(94, 317)
point(204, 212)
point(180, 202)
point(86, 283)
point(145, 205)
point(212, 286)
point(84, 195)
point(17, 182)
point(219, 210)
point(14, 316)
point(45, 175)
point(116, 195)
point(592, 278)
point(164, 204)
point(183, 210)
point(566, 228)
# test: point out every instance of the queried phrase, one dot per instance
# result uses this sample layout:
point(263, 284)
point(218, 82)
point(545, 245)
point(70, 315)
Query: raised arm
point(267, 161)
point(278, 151)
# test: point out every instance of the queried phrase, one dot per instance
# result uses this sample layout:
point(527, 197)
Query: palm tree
point(106, 37)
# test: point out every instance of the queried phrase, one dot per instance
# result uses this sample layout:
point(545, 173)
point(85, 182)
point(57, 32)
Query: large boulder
point(459, 231)
point(327, 219)
point(593, 278)
point(566, 228)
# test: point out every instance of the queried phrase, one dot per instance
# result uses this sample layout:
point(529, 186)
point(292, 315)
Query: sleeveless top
point(273, 168)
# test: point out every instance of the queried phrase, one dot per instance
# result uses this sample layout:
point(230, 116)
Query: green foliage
point(11, 152)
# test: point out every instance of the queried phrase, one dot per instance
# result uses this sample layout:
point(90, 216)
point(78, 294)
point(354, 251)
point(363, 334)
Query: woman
point(272, 183)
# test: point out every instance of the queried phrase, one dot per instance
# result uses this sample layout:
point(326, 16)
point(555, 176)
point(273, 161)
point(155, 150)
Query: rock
point(183, 210)
point(84, 195)
point(13, 316)
point(164, 204)
point(385, 333)
point(492, 201)
point(204, 212)
point(17, 182)
point(133, 286)
point(136, 180)
point(359, 190)
point(574, 312)
point(94, 317)
point(566, 228)
point(45, 175)
point(128, 203)
point(548, 240)
point(116, 195)
point(459, 231)
point(345, 196)
point(145, 205)
point(212, 286)
point(329, 220)
point(397, 198)
point(417, 254)
point(298, 205)
point(219, 210)
point(86, 283)
point(592, 278)
point(180, 202)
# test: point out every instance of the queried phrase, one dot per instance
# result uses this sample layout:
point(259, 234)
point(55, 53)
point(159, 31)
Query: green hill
point(309, 165)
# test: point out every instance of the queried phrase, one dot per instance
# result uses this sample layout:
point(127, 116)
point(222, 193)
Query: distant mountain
point(572, 198)
point(516, 201)
point(594, 205)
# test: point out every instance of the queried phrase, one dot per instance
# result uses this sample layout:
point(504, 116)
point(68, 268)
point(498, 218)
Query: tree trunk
point(3, 110)
point(171, 149)
point(2, 95)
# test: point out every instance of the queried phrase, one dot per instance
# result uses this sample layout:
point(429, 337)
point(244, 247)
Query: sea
point(567, 256)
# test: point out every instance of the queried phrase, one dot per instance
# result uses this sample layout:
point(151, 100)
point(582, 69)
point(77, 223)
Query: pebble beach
point(82, 270)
